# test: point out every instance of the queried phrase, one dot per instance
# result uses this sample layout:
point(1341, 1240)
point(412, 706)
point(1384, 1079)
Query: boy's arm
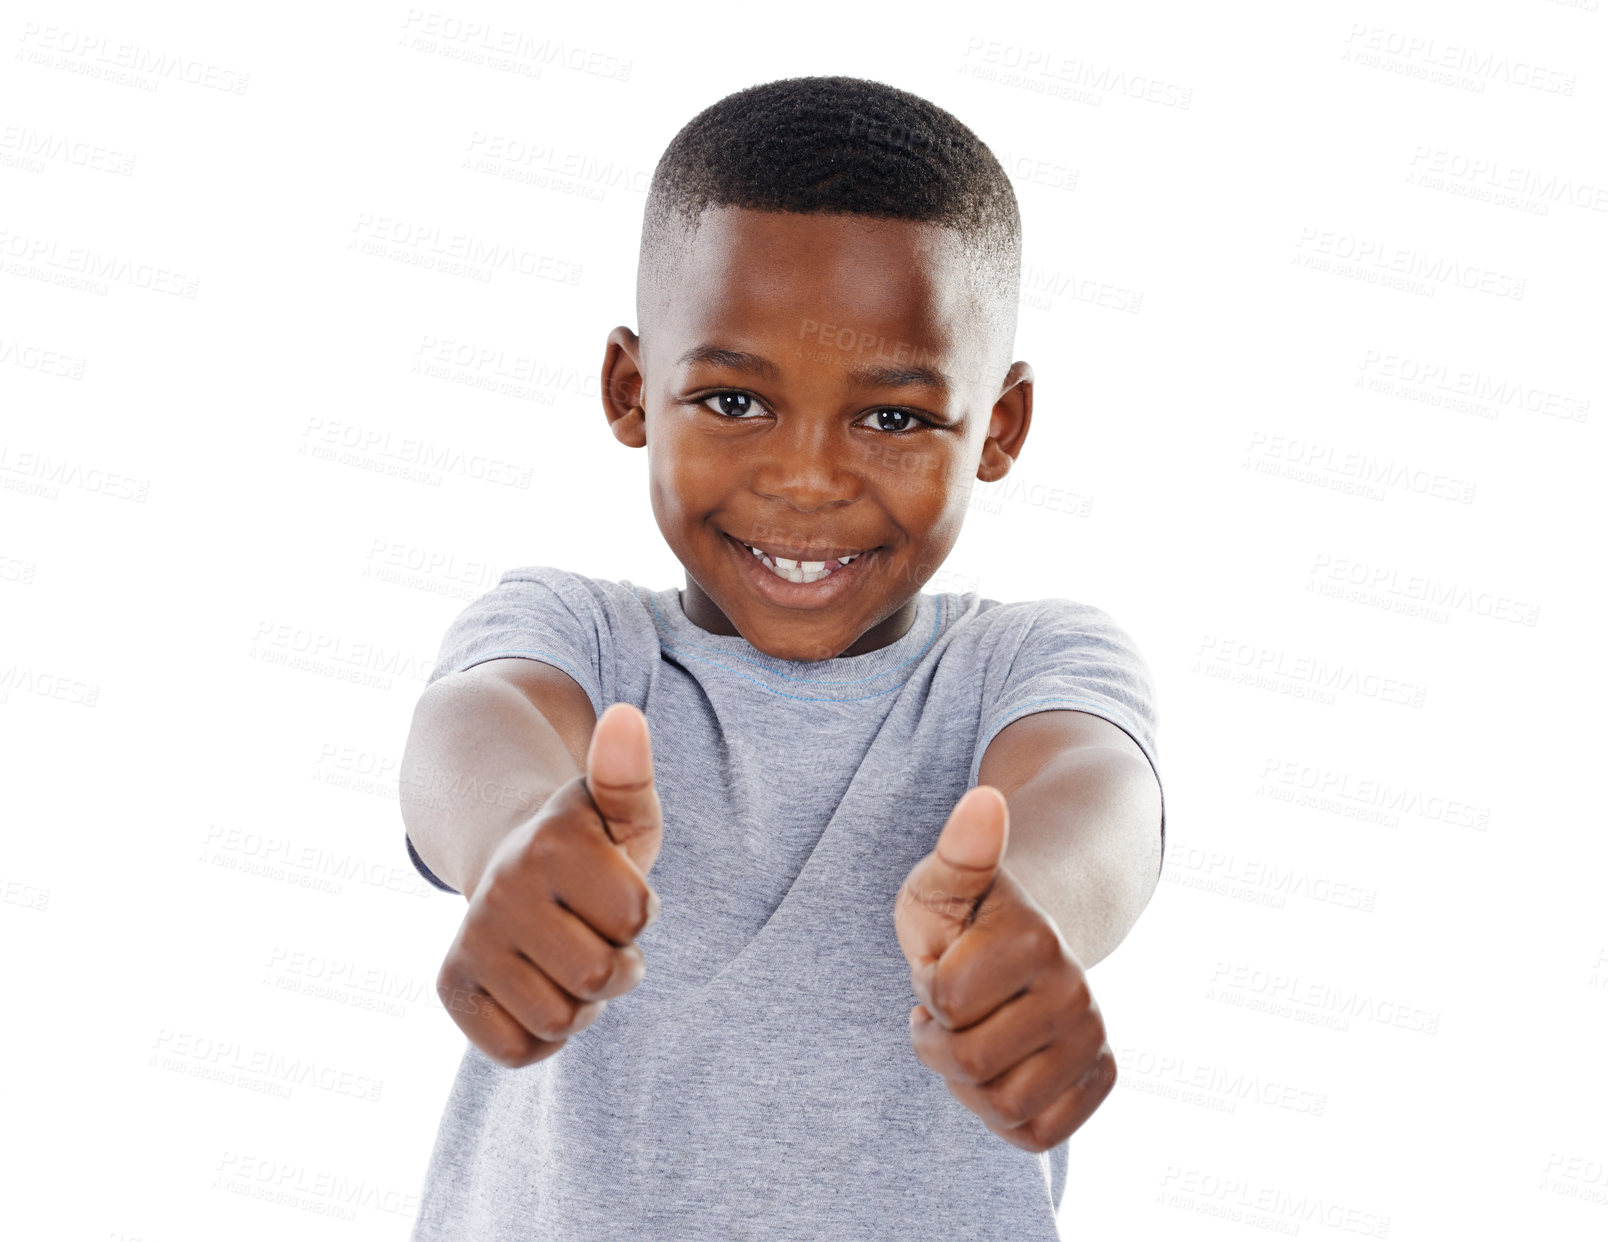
point(1085, 817)
point(486, 749)
point(1038, 873)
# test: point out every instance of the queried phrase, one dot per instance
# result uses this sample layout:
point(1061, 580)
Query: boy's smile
point(814, 385)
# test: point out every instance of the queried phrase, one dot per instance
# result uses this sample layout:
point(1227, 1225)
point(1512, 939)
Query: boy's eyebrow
point(868, 374)
point(875, 376)
point(733, 359)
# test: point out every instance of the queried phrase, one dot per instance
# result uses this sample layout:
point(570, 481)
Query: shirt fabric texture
point(759, 1082)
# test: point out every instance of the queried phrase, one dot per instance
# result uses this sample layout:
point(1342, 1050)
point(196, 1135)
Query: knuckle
point(635, 968)
point(546, 845)
point(508, 1051)
point(1010, 1106)
point(547, 827)
point(596, 975)
point(968, 1062)
point(457, 993)
point(641, 906)
point(472, 939)
point(528, 1049)
point(1088, 1042)
point(556, 1021)
point(554, 833)
point(1102, 1075)
point(1078, 999)
point(493, 897)
point(1044, 942)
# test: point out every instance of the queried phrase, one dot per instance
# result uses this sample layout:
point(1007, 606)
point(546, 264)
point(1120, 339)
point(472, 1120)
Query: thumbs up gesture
point(550, 933)
point(1006, 1017)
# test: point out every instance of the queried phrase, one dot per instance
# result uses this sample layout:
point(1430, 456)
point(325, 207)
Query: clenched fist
point(549, 935)
point(1006, 1016)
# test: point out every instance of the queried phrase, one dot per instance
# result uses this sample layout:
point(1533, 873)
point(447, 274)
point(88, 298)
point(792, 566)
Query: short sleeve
point(539, 613)
point(419, 866)
point(1072, 655)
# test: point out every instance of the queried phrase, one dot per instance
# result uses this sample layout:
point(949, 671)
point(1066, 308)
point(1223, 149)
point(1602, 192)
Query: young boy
point(687, 967)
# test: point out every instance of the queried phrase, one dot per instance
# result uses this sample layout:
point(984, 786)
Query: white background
point(1374, 979)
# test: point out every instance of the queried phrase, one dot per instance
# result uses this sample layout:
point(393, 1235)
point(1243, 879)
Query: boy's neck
point(706, 616)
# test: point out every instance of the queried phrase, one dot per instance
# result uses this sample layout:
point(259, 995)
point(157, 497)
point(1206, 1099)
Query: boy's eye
point(910, 423)
point(746, 403)
point(736, 405)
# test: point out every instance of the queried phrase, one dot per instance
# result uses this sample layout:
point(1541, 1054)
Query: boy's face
point(815, 384)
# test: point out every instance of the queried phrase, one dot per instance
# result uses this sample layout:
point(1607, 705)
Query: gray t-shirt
point(759, 1082)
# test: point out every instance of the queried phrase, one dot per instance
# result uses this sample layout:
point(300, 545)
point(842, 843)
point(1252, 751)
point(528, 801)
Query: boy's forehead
point(744, 235)
point(823, 275)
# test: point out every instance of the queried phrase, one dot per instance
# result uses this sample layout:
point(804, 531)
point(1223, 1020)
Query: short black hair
point(837, 145)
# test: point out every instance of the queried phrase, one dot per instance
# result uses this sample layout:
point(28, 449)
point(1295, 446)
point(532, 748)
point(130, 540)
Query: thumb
point(619, 777)
point(942, 891)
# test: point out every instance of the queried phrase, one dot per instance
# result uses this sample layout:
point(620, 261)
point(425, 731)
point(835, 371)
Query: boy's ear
point(622, 388)
point(1007, 424)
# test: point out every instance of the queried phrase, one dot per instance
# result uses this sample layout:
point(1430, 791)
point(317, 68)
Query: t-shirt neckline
point(842, 678)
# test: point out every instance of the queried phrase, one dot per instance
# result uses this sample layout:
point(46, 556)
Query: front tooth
point(812, 567)
point(782, 562)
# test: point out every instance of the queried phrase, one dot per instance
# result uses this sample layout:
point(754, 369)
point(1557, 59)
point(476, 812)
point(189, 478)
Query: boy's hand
point(550, 931)
point(1006, 1016)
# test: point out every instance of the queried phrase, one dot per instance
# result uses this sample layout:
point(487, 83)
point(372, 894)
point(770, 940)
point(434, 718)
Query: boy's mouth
point(796, 579)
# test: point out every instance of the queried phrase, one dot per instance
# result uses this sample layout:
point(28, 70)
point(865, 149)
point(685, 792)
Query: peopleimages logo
point(1330, 571)
point(43, 258)
point(324, 438)
point(1478, 392)
point(425, 245)
point(1368, 798)
point(33, 148)
point(1046, 71)
point(128, 64)
point(1244, 1201)
point(1307, 1000)
point(477, 42)
point(1425, 57)
point(1373, 255)
point(1197, 1082)
point(1318, 461)
point(1273, 668)
point(1217, 870)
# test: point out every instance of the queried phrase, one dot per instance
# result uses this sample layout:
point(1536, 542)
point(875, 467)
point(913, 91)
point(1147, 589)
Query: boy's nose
point(808, 469)
point(806, 487)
